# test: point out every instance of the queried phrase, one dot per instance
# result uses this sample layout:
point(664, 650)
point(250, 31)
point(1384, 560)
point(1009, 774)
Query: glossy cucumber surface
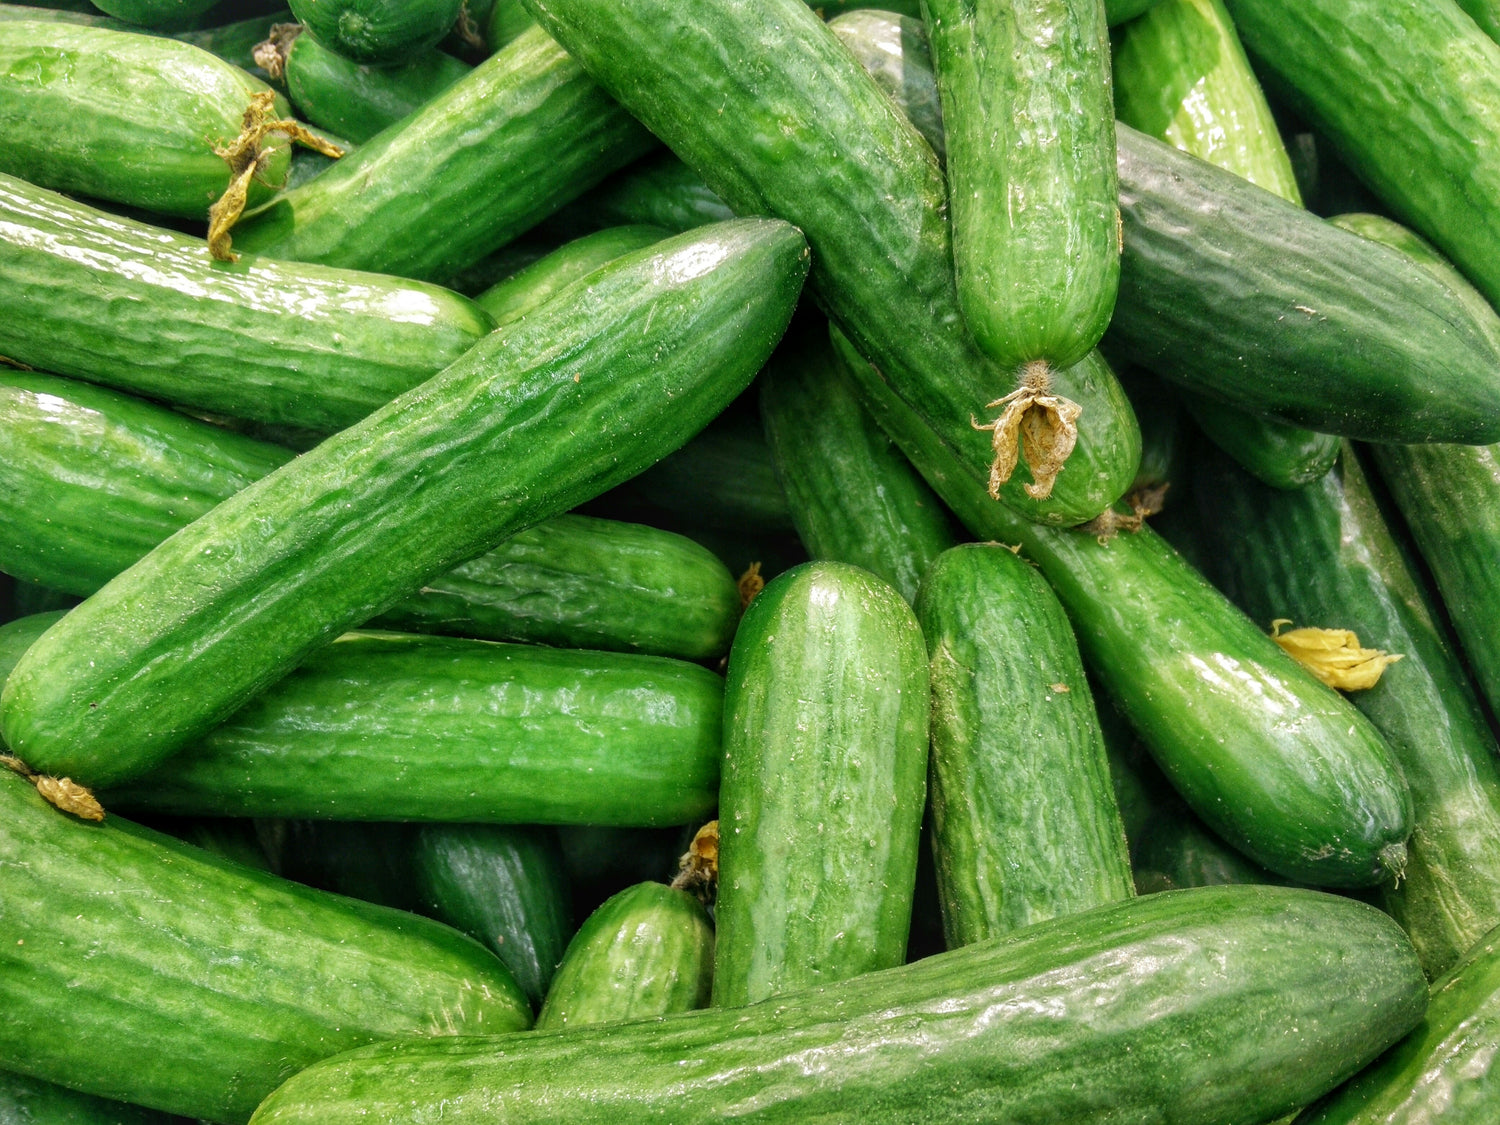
point(539, 282)
point(1275, 453)
point(894, 49)
point(155, 13)
point(30, 1101)
point(658, 190)
point(378, 32)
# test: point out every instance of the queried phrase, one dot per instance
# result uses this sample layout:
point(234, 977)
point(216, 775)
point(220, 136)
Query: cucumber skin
point(1118, 11)
point(539, 282)
point(30, 1101)
point(1024, 821)
point(1275, 453)
point(1167, 999)
point(882, 258)
point(114, 301)
point(252, 977)
point(221, 611)
point(824, 779)
point(473, 168)
point(155, 13)
point(659, 191)
point(377, 32)
point(1027, 108)
point(388, 726)
point(648, 951)
point(894, 49)
point(1486, 13)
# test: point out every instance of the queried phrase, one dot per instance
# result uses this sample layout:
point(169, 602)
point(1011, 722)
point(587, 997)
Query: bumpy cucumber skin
point(648, 951)
point(824, 779)
point(377, 32)
point(250, 977)
point(389, 726)
point(894, 50)
point(1024, 821)
point(853, 496)
point(796, 105)
point(356, 101)
point(523, 133)
point(539, 282)
point(30, 1101)
point(117, 302)
point(1223, 1006)
point(1028, 113)
point(533, 420)
point(74, 116)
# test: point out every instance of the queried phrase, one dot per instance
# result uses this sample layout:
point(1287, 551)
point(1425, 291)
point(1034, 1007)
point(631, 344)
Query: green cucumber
point(155, 13)
point(852, 495)
point(389, 726)
point(371, 862)
point(536, 418)
point(1165, 433)
point(505, 23)
point(893, 48)
point(377, 32)
point(648, 951)
point(1025, 89)
point(659, 191)
point(1278, 454)
point(1119, 11)
point(1486, 13)
point(505, 886)
point(230, 839)
point(87, 294)
point(1177, 851)
point(89, 18)
point(30, 1101)
point(501, 149)
point(1278, 764)
point(19, 635)
point(1177, 1007)
point(236, 42)
point(795, 102)
point(123, 117)
point(250, 978)
point(824, 779)
point(523, 291)
point(1444, 1071)
point(1024, 821)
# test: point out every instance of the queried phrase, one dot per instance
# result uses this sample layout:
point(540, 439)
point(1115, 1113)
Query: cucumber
point(659, 191)
point(505, 146)
point(1165, 434)
point(87, 294)
point(370, 862)
point(388, 726)
point(1119, 11)
point(1177, 851)
point(123, 117)
point(236, 42)
point(824, 779)
point(1276, 763)
point(893, 48)
point(539, 282)
point(1025, 89)
point(853, 497)
point(20, 634)
point(525, 425)
point(505, 23)
point(882, 261)
point(1275, 453)
point(1486, 13)
point(1024, 821)
point(29, 1101)
point(155, 13)
point(377, 32)
point(251, 978)
point(505, 886)
point(1176, 1007)
point(648, 951)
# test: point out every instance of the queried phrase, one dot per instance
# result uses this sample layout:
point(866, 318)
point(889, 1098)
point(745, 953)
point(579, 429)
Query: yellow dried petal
point(64, 793)
point(1334, 656)
point(750, 583)
point(1037, 423)
point(698, 870)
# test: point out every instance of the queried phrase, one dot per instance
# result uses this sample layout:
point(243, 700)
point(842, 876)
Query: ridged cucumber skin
point(1024, 821)
point(1275, 453)
point(894, 49)
point(882, 255)
point(30, 1101)
point(502, 885)
point(1486, 13)
point(1027, 108)
point(1180, 1004)
point(539, 282)
point(1444, 1071)
point(124, 117)
point(390, 726)
point(225, 980)
point(520, 135)
point(377, 32)
point(824, 780)
point(1241, 295)
point(647, 952)
point(1407, 125)
point(141, 309)
point(1276, 763)
point(533, 420)
point(355, 101)
point(155, 13)
point(853, 496)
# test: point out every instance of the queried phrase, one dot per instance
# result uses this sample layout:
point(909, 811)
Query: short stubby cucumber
point(378, 32)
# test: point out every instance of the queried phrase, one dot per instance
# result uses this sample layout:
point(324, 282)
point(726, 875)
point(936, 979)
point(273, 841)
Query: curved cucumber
point(1119, 11)
point(1024, 821)
point(505, 23)
point(539, 282)
point(1155, 1006)
point(893, 48)
point(533, 420)
point(236, 42)
point(30, 1101)
point(648, 951)
point(820, 807)
point(377, 32)
point(19, 635)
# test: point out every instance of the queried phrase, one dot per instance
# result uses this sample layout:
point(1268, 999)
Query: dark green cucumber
point(224, 980)
point(236, 42)
point(1486, 13)
point(505, 146)
point(1276, 763)
point(1243, 296)
point(377, 32)
point(1119, 11)
point(1024, 821)
point(1165, 433)
point(1279, 454)
point(648, 951)
point(1402, 88)
point(371, 862)
point(30, 1101)
point(118, 302)
point(1178, 851)
point(390, 726)
point(1223, 1006)
point(155, 13)
point(852, 495)
point(229, 839)
point(796, 103)
point(533, 420)
point(1444, 1071)
point(893, 48)
point(505, 886)
point(505, 23)
point(659, 191)
point(523, 291)
point(825, 761)
point(1025, 88)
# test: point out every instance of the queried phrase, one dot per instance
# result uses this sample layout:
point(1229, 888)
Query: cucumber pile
point(624, 561)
